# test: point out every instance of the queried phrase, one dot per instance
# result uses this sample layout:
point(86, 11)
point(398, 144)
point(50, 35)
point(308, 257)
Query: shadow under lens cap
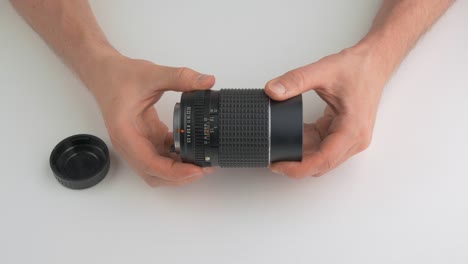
point(80, 161)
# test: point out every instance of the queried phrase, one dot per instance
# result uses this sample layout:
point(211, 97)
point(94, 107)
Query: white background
point(404, 200)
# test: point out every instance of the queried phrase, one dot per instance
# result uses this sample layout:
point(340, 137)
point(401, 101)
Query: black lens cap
point(80, 161)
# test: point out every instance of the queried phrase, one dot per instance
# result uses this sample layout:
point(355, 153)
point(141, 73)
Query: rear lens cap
point(80, 161)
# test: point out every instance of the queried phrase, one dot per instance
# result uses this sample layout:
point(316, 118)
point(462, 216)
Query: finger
point(355, 149)
point(296, 82)
point(322, 126)
point(144, 157)
point(170, 140)
point(311, 139)
point(351, 152)
point(168, 143)
point(326, 158)
point(167, 168)
point(182, 79)
point(151, 127)
point(157, 182)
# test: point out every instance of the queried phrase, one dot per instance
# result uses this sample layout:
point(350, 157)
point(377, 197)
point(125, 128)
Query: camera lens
point(237, 128)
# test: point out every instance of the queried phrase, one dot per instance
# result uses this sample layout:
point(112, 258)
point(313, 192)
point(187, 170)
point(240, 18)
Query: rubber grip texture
point(244, 128)
point(198, 127)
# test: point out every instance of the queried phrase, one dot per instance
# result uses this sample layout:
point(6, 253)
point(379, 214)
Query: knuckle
point(183, 72)
point(152, 182)
point(169, 172)
point(149, 169)
point(318, 174)
point(116, 141)
point(365, 140)
point(327, 164)
point(294, 79)
point(363, 146)
point(113, 137)
point(303, 173)
point(296, 175)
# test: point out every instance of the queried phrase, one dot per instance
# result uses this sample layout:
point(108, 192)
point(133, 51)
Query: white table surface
point(404, 200)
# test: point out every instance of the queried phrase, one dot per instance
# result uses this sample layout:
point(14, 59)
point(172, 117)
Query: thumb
point(184, 79)
point(293, 83)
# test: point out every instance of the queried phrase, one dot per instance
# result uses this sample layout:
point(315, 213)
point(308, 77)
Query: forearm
point(396, 29)
point(70, 29)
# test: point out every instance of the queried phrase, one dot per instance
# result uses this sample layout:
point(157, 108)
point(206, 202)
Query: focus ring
point(198, 118)
point(243, 128)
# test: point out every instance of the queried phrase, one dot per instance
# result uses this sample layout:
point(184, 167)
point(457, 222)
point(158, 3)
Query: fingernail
point(208, 170)
point(203, 77)
point(278, 88)
point(195, 175)
point(277, 172)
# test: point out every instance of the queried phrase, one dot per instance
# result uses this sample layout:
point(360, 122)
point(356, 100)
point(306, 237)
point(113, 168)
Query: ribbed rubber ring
point(198, 115)
point(243, 128)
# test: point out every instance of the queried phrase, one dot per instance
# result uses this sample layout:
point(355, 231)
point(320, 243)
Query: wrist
point(91, 57)
point(378, 59)
point(92, 63)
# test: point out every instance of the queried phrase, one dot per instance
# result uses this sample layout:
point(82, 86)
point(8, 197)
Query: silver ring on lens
point(176, 127)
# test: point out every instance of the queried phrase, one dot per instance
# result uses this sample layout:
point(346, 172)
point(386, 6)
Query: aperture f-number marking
point(188, 121)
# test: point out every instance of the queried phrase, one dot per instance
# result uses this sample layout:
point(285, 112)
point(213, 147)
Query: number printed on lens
point(237, 128)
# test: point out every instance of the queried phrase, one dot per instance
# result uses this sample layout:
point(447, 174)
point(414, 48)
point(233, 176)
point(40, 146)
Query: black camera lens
point(237, 128)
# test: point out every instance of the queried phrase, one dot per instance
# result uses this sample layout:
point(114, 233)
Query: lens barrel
point(237, 128)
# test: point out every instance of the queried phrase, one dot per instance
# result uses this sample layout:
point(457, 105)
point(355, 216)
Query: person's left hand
point(351, 83)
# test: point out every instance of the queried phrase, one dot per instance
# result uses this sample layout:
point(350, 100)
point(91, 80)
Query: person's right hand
point(126, 90)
